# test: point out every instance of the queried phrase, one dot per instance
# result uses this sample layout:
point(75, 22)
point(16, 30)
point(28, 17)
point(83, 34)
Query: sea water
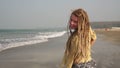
point(20, 37)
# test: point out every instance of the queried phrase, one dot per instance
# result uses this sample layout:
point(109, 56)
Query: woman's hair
point(83, 20)
point(83, 31)
point(82, 42)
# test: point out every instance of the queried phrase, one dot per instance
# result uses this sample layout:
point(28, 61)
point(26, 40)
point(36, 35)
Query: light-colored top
point(79, 58)
point(74, 54)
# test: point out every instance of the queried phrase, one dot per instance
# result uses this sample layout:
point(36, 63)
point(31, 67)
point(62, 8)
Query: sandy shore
point(106, 52)
point(107, 49)
point(42, 55)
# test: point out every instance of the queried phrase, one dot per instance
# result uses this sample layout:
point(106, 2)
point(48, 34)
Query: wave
point(50, 34)
point(38, 38)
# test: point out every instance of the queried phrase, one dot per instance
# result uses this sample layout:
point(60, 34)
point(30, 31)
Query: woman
point(78, 46)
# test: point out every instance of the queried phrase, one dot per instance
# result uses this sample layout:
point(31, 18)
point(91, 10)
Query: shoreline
point(41, 55)
point(49, 54)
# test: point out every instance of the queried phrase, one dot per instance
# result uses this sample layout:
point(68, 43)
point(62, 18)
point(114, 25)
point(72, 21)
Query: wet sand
point(107, 49)
point(106, 52)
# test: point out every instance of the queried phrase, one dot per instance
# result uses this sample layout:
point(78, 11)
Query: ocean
point(20, 37)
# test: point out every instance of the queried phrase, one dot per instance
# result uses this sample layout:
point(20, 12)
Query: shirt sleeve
point(73, 48)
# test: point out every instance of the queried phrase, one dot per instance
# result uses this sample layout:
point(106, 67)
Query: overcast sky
point(25, 14)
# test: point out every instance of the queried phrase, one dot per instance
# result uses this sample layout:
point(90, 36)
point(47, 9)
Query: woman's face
point(73, 22)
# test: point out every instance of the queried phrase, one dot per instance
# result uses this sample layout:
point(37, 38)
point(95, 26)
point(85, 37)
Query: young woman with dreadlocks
point(78, 46)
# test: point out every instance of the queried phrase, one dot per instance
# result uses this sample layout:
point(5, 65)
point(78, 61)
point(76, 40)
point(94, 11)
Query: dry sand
point(106, 52)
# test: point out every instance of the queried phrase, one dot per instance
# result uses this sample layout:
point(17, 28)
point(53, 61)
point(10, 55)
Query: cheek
point(73, 25)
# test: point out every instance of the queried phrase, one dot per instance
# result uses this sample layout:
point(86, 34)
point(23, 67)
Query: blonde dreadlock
point(78, 44)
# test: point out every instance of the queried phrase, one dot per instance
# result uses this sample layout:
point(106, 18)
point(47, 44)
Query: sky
point(36, 14)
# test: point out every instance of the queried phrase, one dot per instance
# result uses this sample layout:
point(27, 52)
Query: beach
point(107, 49)
point(105, 52)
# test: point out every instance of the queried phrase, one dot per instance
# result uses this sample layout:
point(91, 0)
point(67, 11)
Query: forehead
point(73, 17)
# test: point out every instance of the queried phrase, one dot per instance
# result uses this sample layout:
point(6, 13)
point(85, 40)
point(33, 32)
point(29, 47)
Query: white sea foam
point(39, 38)
point(51, 34)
